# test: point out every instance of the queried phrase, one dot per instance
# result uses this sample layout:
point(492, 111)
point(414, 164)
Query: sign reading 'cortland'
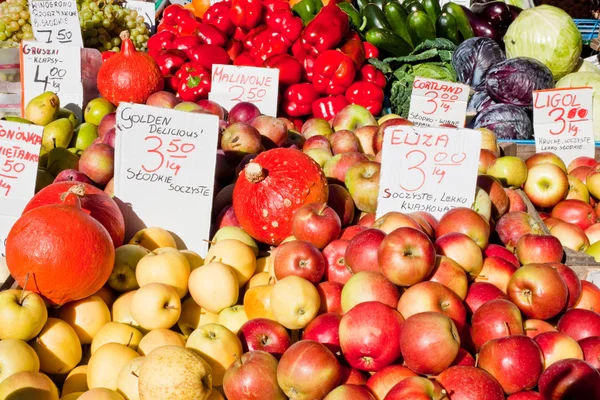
point(164, 170)
point(438, 103)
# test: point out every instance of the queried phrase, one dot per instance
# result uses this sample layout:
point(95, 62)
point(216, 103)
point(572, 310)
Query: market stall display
point(361, 200)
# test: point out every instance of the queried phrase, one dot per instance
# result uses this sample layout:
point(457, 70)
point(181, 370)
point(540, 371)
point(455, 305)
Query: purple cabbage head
point(474, 57)
point(507, 121)
point(479, 101)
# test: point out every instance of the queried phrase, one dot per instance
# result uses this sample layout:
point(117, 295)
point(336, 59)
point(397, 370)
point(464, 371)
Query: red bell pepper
point(369, 73)
point(325, 31)
point(264, 42)
point(307, 61)
point(194, 82)
point(162, 27)
point(170, 61)
point(285, 23)
point(298, 99)
point(246, 14)
point(333, 72)
point(211, 35)
point(245, 60)
point(328, 107)
point(290, 69)
point(276, 5)
point(234, 49)
point(188, 27)
point(366, 94)
point(240, 34)
point(370, 50)
point(174, 14)
point(184, 43)
point(159, 42)
point(217, 15)
point(354, 49)
point(207, 55)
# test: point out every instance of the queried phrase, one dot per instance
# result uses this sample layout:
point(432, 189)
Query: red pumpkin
point(129, 76)
point(60, 252)
point(272, 187)
point(100, 205)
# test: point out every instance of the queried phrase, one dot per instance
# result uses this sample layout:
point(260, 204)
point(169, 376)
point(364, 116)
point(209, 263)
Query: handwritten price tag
point(56, 21)
point(146, 10)
point(231, 85)
point(428, 169)
point(563, 122)
point(435, 103)
point(52, 67)
point(165, 160)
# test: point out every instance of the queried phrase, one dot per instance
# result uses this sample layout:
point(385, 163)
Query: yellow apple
point(101, 394)
point(23, 314)
point(86, 317)
point(121, 310)
point(489, 140)
point(58, 347)
point(218, 346)
point(294, 302)
point(107, 295)
point(127, 381)
point(263, 264)
point(167, 266)
point(122, 278)
point(174, 373)
point(233, 318)
point(257, 302)
point(116, 332)
point(17, 356)
point(159, 337)
point(193, 316)
point(214, 286)
point(156, 305)
point(106, 363)
point(28, 385)
point(262, 278)
point(236, 254)
point(193, 258)
point(153, 238)
point(236, 233)
point(76, 381)
point(72, 396)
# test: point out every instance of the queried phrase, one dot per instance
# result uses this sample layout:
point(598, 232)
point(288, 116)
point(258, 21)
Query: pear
point(43, 160)
point(43, 109)
point(84, 135)
point(57, 134)
point(44, 178)
point(12, 118)
point(70, 115)
point(75, 151)
point(60, 159)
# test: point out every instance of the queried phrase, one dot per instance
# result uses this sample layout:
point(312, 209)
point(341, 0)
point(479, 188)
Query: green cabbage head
point(583, 79)
point(547, 34)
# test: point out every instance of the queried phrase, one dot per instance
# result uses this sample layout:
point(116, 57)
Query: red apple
point(316, 142)
point(592, 232)
point(495, 319)
point(486, 157)
point(316, 223)
point(331, 297)
point(212, 107)
point(345, 392)
point(266, 335)
point(416, 388)
point(336, 167)
point(368, 286)
point(515, 201)
point(299, 258)
point(340, 200)
point(344, 141)
point(480, 293)
point(433, 222)
point(570, 379)
point(227, 217)
point(577, 190)
point(273, 131)
point(526, 395)
point(570, 236)
point(493, 187)
point(534, 327)
point(423, 223)
point(463, 250)
point(533, 248)
point(515, 361)
point(464, 358)
point(429, 333)
point(240, 139)
point(546, 185)
point(243, 112)
point(581, 161)
point(393, 220)
point(378, 137)
point(351, 231)
point(253, 376)
point(361, 253)
point(325, 329)
point(406, 256)
point(556, 346)
point(496, 271)
point(575, 212)
point(545, 157)
point(580, 324)
point(591, 350)
point(316, 126)
point(366, 219)
point(382, 381)
point(450, 274)
point(571, 280)
point(590, 297)
point(548, 220)
point(592, 182)
point(97, 162)
point(336, 269)
point(370, 336)
point(72, 175)
point(308, 370)
point(467, 221)
point(582, 173)
point(515, 224)
point(470, 383)
point(352, 376)
point(495, 250)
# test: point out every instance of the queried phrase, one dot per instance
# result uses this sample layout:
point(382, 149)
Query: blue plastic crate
point(589, 29)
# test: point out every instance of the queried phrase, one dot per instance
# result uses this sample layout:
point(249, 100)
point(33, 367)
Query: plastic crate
point(589, 29)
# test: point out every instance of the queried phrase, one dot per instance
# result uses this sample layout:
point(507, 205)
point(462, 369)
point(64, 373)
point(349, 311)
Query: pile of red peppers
point(322, 65)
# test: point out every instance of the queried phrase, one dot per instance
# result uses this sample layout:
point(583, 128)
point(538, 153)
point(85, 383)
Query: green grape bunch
point(102, 21)
point(15, 24)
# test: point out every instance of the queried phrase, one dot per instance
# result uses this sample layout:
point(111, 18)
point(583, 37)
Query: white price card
point(232, 84)
point(165, 170)
point(55, 21)
point(435, 103)
point(55, 68)
point(145, 9)
point(562, 122)
point(428, 169)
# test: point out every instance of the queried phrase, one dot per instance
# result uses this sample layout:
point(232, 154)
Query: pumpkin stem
point(72, 199)
point(127, 45)
point(78, 190)
point(23, 291)
point(254, 172)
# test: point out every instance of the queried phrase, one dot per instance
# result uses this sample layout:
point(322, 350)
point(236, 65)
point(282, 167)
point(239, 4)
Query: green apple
point(84, 135)
point(362, 181)
point(510, 170)
point(97, 109)
point(122, 278)
point(17, 356)
point(23, 314)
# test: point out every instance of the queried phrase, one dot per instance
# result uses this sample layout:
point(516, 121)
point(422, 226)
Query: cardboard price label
point(428, 169)
point(52, 67)
point(164, 170)
point(563, 122)
point(146, 10)
point(56, 21)
point(435, 103)
point(232, 84)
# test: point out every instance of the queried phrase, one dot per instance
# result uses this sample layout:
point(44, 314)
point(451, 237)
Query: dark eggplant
point(482, 28)
point(497, 13)
point(514, 11)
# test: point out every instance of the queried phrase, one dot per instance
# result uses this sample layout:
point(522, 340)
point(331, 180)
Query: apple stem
point(254, 172)
point(23, 291)
point(209, 241)
point(507, 327)
point(476, 359)
point(322, 210)
point(134, 374)
point(130, 339)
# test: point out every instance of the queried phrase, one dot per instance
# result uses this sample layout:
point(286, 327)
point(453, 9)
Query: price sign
point(55, 21)
point(563, 122)
point(165, 160)
point(232, 84)
point(428, 169)
point(146, 10)
point(435, 103)
point(52, 67)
